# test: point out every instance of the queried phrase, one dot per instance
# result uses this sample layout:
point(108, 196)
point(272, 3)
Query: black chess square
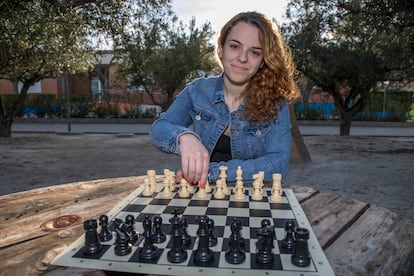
point(239, 204)
point(260, 213)
point(201, 203)
point(216, 211)
point(134, 208)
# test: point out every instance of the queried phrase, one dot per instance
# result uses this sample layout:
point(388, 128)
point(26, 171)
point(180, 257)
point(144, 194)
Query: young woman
point(240, 117)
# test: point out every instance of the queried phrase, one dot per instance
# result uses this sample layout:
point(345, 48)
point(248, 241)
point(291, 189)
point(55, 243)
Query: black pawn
point(301, 256)
point(148, 250)
point(158, 236)
point(130, 220)
point(212, 239)
point(176, 254)
point(104, 234)
point(185, 237)
point(235, 254)
point(203, 253)
point(289, 241)
point(92, 244)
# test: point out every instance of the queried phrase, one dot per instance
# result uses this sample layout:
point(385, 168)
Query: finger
point(178, 176)
point(184, 167)
point(204, 174)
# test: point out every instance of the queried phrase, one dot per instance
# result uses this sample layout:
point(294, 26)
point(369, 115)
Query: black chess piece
point(122, 245)
point(264, 244)
point(92, 244)
point(212, 239)
point(148, 251)
point(158, 236)
point(185, 237)
point(289, 241)
point(130, 220)
point(241, 239)
point(203, 253)
point(176, 254)
point(235, 254)
point(301, 255)
point(105, 234)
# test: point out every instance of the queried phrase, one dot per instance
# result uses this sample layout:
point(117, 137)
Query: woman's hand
point(194, 160)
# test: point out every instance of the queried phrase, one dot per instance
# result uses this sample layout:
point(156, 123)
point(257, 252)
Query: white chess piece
point(276, 188)
point(166, 193)
point(147, 187)
point(257, 190)
point(201, 193)
point(223, 177)
point(207, 187)
point(219, 194)
point(190, 187)
point(238, 188)
point(183, 191)
point(151, 176)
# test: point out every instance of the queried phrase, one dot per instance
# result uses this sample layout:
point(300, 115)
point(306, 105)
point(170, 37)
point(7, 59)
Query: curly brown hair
point(273, 85)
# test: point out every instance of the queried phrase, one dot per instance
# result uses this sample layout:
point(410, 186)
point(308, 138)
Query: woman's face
point(241, 55)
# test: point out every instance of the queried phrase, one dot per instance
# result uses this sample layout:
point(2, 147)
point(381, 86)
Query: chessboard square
point(239, 212)
point(136, 208)
point(97, 256)
point(245, 246)
point(216, 211)
point(110, 255)
point(179, 202)
point(245, 221)
point(218, 203)
point(201, 203)
point(163, 260)
point(239, 204)
point(141, 217)
point(257, 221)
point(259, 205)
point(154, 209)
point(213, 263)
point(218, 220)
point(288, 266)
point(192, 219)
point(275, 265)
point(160, 201)
point(280, 206)
point(142, 200)
point(281, 222)
point(245, 232)
point(280, 233)
point(282, 214)
point(192, 230)
point(227, 265)
point(283, 250)
point(260, 213)
point(194, 210)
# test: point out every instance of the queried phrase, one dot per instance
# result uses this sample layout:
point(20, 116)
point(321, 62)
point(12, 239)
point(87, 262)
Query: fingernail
point(194, 182)
point(186, 177)
point(202, 185)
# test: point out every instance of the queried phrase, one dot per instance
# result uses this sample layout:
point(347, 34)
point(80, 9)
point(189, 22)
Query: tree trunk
point(300, 153)
point(345, 120)
point(5, 127)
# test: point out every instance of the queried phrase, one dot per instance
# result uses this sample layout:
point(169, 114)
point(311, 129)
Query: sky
point(218, 12)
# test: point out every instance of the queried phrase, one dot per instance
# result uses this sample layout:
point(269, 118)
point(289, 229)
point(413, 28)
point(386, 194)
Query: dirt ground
point(378, 170)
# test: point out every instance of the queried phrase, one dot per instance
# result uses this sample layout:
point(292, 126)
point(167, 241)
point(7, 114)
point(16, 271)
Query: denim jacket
point(200, 109)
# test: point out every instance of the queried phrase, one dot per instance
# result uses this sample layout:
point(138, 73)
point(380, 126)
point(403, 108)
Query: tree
point(44, 38)
point(166, 56)
point(346, 47)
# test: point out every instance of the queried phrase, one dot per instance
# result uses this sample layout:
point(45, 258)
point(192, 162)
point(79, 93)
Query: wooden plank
point(330, 215)
point(21, 214)
point(380, 242)
point(302, 193)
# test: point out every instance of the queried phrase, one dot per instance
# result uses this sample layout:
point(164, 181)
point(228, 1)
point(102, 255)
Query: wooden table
point(358, 239)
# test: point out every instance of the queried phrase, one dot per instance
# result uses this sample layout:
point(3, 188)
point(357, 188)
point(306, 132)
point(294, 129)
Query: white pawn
point(207, 188)
point(166, 193)
point(201, 193)
point(190, 187)
point(147, 187)
point(257, 190)
point(183, 191)
point(219, 194)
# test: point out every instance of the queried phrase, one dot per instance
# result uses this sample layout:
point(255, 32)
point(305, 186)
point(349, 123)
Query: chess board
point(222, 211)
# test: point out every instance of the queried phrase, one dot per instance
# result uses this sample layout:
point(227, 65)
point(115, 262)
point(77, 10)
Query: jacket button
point(258, 133)
point(198, 117)
point(236, 133)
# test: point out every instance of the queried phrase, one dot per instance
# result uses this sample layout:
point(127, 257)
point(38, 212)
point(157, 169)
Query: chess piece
point(201, 193)
point(219, 194)
point(235, 254)
point(212, 239)
point(129, 229)
point(276, 188)
point(151, 174)
point(257, 189)
point(158, 236)
point(185, 237)
point(223, 178)
point(203, 253)
point(147, 187)
point(148, 251)
point(176, 254)
point(207, 187)
point(289, 241)
point(301, 255)
point(104, 234)
point(122, 245)
point(264, 244)
point(183, 193)
point(190, 187)
point(166, 193)
point(92, 244)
